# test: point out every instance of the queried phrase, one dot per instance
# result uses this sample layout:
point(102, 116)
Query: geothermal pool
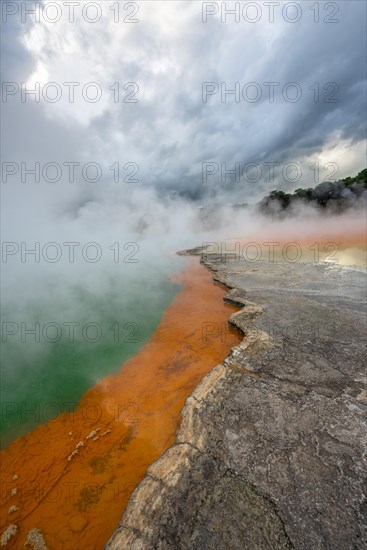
point(73, 475)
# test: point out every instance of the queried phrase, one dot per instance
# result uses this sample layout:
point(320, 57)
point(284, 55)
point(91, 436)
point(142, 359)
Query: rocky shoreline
point(270, 449)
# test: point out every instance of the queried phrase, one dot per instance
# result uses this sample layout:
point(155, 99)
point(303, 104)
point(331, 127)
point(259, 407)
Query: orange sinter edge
point(72, 477)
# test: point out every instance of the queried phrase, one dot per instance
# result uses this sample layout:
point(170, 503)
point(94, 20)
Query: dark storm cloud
point(304, 53)
point(171, 131)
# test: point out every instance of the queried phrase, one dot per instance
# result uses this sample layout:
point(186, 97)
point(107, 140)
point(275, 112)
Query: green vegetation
point(336, 196)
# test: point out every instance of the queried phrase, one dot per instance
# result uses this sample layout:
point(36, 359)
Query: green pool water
point(81, 337)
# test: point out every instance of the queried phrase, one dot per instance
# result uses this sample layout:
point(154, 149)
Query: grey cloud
point(170, 132)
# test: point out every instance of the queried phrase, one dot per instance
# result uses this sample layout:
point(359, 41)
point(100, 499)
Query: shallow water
point(327, 249)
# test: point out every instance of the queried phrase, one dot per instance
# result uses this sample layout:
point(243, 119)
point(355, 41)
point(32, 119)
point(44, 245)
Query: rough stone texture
point(270, 450)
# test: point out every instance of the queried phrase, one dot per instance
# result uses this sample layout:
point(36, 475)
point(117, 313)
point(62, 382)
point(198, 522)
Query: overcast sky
point(163, 138)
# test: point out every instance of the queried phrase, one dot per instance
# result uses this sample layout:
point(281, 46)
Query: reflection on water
point(325, 250)
point(352, 256)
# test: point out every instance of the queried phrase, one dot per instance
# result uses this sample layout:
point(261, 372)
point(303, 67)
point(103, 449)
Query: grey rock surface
point(270, 450)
